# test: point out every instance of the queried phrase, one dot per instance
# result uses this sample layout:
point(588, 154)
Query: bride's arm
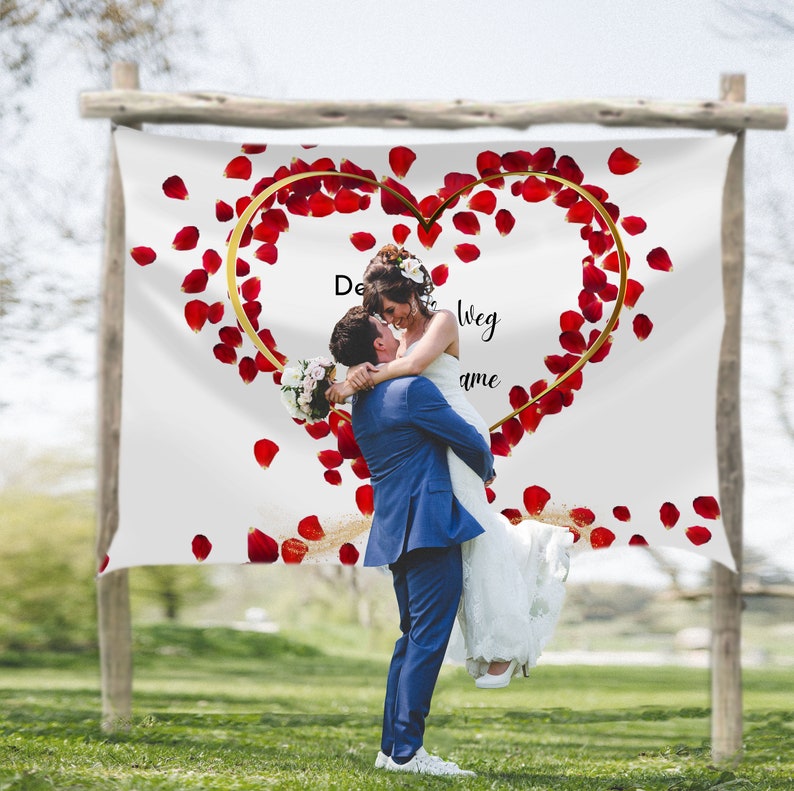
point(441, 336)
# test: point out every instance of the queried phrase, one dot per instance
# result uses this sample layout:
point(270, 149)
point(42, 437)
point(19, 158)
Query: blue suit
point(403, 427)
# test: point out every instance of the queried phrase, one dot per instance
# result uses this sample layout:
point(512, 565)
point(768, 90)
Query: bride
point(513, 575)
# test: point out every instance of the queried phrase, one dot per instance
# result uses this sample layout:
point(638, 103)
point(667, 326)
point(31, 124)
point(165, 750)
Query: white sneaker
point(425, 764)
point(380, 761)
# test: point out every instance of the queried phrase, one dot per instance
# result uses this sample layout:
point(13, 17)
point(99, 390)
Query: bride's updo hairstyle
point(387, 276)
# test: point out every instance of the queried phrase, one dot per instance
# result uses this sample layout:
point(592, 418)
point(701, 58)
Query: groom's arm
point(431, 412)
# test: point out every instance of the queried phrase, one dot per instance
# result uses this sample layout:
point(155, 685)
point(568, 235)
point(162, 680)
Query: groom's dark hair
point(353, 338)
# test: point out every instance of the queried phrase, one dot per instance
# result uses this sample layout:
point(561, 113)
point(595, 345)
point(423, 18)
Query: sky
point(506, 50)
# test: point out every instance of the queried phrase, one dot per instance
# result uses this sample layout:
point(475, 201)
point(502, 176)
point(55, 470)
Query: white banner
point(213, 468)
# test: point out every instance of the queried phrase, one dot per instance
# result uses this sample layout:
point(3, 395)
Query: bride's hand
point(338, 392)
point(359, 377)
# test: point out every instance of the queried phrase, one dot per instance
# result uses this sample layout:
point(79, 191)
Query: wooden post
point(114, 622)
point(726, 617)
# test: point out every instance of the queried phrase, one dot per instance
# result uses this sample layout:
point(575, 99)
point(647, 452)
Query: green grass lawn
point(219, 709)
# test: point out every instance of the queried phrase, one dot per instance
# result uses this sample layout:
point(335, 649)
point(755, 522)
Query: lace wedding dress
point(513, 575)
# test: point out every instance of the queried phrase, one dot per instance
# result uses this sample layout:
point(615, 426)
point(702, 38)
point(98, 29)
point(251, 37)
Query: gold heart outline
point(253, 207)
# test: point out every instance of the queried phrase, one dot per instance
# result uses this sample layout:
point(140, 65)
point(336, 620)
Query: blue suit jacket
point(403, 427)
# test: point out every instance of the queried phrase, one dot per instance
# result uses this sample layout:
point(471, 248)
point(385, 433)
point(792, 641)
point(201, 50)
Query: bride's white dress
point(513, 575)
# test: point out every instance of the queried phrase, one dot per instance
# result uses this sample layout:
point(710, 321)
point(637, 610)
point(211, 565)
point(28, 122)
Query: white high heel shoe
point(491, 681)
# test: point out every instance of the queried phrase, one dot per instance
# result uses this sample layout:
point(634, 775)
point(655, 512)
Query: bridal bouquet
point(303, 388)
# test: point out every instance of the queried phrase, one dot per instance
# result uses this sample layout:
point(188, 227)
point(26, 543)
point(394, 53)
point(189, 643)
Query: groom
point(403, 427)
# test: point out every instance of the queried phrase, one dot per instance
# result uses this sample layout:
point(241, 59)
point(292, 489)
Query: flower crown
point(410, 267)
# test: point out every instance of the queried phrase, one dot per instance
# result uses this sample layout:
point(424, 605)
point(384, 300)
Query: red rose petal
point(310, 528)
point(360, 469)
point(346, 442)
point(466, 222)
point(573, 342)
point(348, 554)
point(253, 148)
point(580, 212)
point(400, 233)
point(633, 225)
point(490, 496)
point(251, 288)
point(267, 252)
point(241, 204)
point(330, 458)
point(400, 160)
point(698, 535)
point(534, 190)
point(242, 268)
point(513, 431)
point(439, 274)
point(362, 240)
point(186, 238)
point(390, 203)
point(637, 541)
point(499, 444)
point(211, 261)
point(261, 547)
point(195, 281)
point(707, 507)
point(201, 547)
point(488, 162)
point(196, 313)
point(334, 477)
point(571, 321)
point(247, 369)
point(516, 160)
point(238, 168)
point(621, 162)
point(593, 278)
point(659, 259)
point(265, 451)
point(467, 252)
point(215, 312)
point(483, 201)
point(317, 430)
point(505, 222)
point(633, 291)
point(364, 499)
point(568, 169)
point(530, 419)
point(535, 499)
point(642, 326)
point(621, 513)
point(669, 515)
point(566, 198)
point(428, 205)
point(543, 159)
point(293, 550)
point(143, 256)
point(320, 205)
point(601, 537)
point(174, 187)
point(231, 336)
point(582, 516)
point(517, 396)
point(513, 515)
point(612, 263)
point(346, 201)
point(428, 237)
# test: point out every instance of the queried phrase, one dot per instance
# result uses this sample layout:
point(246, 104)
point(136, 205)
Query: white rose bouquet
point(303, 388)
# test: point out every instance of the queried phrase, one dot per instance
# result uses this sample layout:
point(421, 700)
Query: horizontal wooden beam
point(134, 107)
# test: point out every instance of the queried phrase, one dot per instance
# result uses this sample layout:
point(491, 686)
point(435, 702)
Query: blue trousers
point(428, 583)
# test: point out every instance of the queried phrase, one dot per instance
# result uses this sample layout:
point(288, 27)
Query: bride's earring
point(413, 309)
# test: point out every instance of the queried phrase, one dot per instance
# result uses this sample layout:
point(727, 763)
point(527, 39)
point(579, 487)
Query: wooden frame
point(129, 106)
